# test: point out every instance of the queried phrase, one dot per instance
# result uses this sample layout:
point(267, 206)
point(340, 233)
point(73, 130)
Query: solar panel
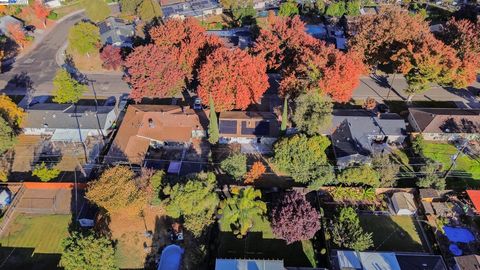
point(228, 126)
point(262, 128)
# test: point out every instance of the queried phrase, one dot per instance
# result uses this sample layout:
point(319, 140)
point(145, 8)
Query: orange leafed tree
point(41, 12)
point(233, 79)
point(255, 172)
point(17, 34)
point(464, 37)
point(188, 40)
point(154, 72)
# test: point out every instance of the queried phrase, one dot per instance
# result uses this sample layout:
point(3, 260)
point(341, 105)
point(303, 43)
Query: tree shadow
point(10, 49)
point(21, 82)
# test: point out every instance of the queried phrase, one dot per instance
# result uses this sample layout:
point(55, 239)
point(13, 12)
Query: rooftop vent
point(150, 123)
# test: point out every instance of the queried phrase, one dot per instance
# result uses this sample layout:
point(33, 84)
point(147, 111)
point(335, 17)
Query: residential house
point(257, 130)
point(443, 124)
point(190, 8)
point(234, 38)
point(357, 134)
point(116, 32)
point(67, 122)
point(52, 3)
point(14, 2)
point(145, 126)
point(7, 20)
point(353, 260)
point(403, 203)
point(467, 262)
point(235, 264)
point(474, 196)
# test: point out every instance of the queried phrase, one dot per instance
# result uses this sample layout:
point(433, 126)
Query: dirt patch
point(24, 153)
point(134, 244)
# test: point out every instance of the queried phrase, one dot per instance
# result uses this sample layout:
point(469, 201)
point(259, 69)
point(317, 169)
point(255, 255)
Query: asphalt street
point(39, 67)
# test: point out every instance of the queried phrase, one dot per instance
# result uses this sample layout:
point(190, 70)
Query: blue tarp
point(458, 234)
point(171, 257)
point(455, 250)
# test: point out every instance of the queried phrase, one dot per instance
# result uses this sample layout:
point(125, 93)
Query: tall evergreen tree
point(213, 133)
point(283, 127)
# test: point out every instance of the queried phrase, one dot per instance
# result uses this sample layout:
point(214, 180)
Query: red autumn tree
point(464, 37)
point(233, 79)
point(154, 71)
point(326, 69)
point(111, 57)
point(188, 41)
point(17, 34)
point(378, 37)
point(255, 172)
point(282, 42)
point(294, 218)
point(430, 61)
point(41, 12)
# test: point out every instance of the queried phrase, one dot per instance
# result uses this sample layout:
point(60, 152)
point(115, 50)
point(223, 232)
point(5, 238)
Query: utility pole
point(455, 157)
point(391, 85)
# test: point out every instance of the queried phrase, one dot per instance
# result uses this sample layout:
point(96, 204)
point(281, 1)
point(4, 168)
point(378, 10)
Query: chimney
point(150, 123)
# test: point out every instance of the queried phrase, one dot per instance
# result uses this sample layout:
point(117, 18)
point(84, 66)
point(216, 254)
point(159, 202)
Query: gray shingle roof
point(116, 31)
point(52, 115)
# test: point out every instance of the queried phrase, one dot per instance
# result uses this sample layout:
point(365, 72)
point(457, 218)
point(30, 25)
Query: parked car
point(197, 104)
point(30, 28)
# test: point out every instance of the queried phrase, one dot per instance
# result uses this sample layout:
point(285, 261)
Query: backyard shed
point(429, 194)
point(475, 198)
point(428, 208)
point(403, 203)
point(468, 262)
point(5, 198)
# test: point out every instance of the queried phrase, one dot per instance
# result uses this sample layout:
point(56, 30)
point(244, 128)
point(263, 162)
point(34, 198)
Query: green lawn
point(260, 243)
point(443, 152)
point(34, 240)
point(393, 233)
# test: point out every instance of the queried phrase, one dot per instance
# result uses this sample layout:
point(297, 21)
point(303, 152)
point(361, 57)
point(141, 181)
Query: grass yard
point(442, 153)
point(394, 233)
point(34, 241)
point(260, 243)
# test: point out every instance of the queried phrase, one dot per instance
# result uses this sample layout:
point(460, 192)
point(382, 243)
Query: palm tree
point(242, 209)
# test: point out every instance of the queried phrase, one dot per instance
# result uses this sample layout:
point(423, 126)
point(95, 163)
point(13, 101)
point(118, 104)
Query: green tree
point(288, 9)
point(326, 176)
point(361, 175)
point(313, 113)
point(320, 6)
point(45, 173)
point(418, 144)
point(7, 136)
point(244, 14)
point(353, 8)
point(283, 127)
point(336, 9)
point(84, 38)
point(241, 210)
point(149, 10)
point(235, 165)
point(347, 232)
point(430, 177)
point(96, 10)
point(302, 157)
point(156, 186)
point(386, 168)
point(66, 89)
point(195, 200)
point(129, 7)
point(87, 252)
point(213, 132)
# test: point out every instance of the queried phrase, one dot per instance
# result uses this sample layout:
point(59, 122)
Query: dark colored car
point(30, 28)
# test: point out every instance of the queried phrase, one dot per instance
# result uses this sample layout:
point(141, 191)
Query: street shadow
point(10, 51)
point(21, 82)
point(25, 258)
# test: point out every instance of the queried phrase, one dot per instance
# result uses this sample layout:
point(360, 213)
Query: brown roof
point(233, 115)
point(469, 262)
point(143, 123)
point(448, 120)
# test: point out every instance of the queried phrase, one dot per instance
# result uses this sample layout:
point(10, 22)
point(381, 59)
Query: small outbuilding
point(403, 204)
point(429, 194)
point(5, 198)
